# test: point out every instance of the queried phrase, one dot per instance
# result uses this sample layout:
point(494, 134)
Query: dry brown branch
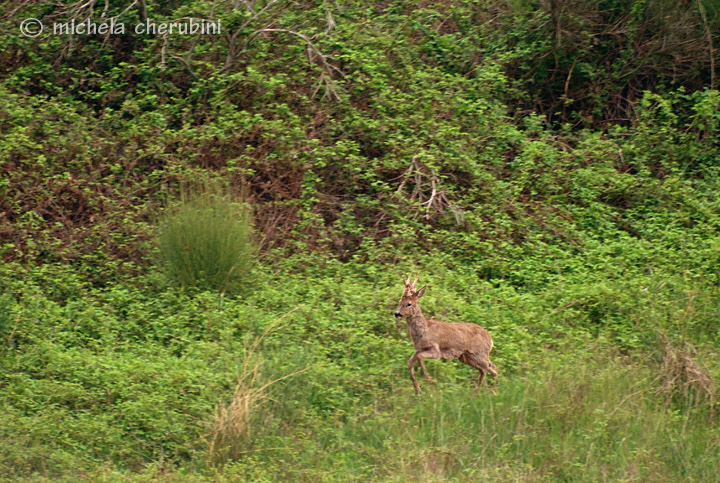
point(315, 56)
point(708, 34)
point(81, 11)
point(426, 180)
point(233, 38)
point(17, 9)
point(330, 19)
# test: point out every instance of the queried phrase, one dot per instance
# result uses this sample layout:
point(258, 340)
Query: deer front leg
point(411, 366)
point(425, 372)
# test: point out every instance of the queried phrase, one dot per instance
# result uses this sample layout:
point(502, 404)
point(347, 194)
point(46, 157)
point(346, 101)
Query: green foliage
point(340, 155)
point(139, 378)
point(603, 416)
point(206, 241)
point(550, 169)
point(589, 63)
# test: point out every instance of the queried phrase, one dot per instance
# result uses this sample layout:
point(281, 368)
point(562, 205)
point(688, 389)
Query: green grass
point(601, 419)
point(305, 379)
point(556, 189)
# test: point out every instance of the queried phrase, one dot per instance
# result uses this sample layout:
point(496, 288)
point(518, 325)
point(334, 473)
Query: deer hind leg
point(493, 370)
point(482, 364)
point(494, 374)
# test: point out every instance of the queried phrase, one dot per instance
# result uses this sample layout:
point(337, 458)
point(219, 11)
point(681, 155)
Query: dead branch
point(426, 179)
point(315, 56)
point(233, 38)
point(708, 34)
point(330, 19)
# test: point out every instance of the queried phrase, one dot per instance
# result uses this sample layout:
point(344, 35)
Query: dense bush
point(206, 241)
point(407, 126)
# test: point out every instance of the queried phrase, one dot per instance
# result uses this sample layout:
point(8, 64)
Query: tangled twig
point(437, 200)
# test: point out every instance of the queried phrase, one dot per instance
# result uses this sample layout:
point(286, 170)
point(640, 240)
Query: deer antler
point(410, 286)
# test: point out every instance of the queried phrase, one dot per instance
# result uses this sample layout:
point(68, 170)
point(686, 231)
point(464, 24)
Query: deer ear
point(420, 292)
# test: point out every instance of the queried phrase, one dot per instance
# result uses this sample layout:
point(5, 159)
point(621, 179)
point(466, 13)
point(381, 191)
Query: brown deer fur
point(442, 340)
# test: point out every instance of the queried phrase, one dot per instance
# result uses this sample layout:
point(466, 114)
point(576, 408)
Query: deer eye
point(409, 304)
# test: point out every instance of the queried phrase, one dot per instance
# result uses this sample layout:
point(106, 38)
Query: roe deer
point(442, 340)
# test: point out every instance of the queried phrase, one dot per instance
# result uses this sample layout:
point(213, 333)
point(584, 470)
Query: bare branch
point(330, 20)
point(18, 8)
point(437, 201)
point(326, 78)
point(323, 58)
point(708, 34)
point(233, 38)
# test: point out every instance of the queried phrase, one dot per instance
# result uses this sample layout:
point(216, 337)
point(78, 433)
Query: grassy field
point(203, 239)
point(305, 378)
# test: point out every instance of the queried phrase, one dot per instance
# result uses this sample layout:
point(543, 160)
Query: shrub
point(206, 240)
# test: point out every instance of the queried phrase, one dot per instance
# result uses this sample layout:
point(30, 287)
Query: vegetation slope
point(550, 169)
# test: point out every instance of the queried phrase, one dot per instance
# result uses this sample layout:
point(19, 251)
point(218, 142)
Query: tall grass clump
point(684, 381)
point(231, 434)
point(205, 240)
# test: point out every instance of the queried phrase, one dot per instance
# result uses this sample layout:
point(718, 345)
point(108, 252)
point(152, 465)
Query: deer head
point(408, 301)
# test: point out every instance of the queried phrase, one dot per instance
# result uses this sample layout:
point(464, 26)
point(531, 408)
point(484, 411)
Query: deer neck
point(417, 323)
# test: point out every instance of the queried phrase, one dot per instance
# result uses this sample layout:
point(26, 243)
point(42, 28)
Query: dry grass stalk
point(231, 428)
point(682, 376)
